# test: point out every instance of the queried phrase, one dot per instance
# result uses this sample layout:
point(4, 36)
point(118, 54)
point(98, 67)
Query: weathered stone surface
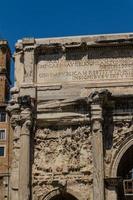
point(63, 155)
point(80, 124)
point(83, 67)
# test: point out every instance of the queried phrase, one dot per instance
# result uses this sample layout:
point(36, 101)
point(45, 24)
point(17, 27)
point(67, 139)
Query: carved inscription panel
point(55, 69)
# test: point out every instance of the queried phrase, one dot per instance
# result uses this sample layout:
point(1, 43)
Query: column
point(111, 187)
point(21, 112)
point(24, 167)
point(98, 99)
point(112, 194)
point(14, 111)
point(14, 186)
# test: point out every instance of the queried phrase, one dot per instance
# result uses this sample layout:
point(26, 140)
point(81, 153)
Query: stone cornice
point(78, 42)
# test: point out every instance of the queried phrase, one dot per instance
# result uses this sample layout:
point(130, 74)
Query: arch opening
point(125, 172)
point(64, 196)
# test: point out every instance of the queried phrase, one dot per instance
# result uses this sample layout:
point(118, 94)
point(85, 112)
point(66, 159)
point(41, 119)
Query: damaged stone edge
point(84, 42)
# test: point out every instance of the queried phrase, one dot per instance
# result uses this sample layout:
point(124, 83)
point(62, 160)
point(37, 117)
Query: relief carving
point(64, 155)
point(122, 130)
point(29, 64)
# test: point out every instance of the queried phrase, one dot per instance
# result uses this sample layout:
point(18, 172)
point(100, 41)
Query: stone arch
point(119, 154)
point(55, 193)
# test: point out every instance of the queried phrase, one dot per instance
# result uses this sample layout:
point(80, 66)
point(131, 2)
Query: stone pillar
point(111, 194)
point(14, 111)
point(14, 186)
point(112, 187)
point(20, 110)
point(24, 167)
point(97, 143)
point(98, 99)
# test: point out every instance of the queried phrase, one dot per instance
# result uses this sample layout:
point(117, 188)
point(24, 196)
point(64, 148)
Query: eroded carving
point(72, 68)
point(122, 130)
point(62, 155)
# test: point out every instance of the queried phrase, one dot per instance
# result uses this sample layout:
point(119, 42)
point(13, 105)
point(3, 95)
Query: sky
point(56, 18)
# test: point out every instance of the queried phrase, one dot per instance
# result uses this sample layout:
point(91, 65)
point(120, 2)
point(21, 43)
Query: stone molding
point(78, 42)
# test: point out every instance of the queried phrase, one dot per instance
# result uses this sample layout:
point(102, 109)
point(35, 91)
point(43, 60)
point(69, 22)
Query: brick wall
point(2, 88)
point(5, 143)
point(3, 58)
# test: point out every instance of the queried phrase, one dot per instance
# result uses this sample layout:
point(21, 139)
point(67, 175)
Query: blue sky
point(51, 18)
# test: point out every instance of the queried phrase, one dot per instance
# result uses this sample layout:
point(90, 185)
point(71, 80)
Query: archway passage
point(64, 196)
point(125, 171)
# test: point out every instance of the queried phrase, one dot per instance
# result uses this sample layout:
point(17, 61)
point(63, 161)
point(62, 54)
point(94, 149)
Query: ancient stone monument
point(71, 112)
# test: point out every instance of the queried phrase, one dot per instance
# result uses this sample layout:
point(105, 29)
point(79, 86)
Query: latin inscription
point(52, 69)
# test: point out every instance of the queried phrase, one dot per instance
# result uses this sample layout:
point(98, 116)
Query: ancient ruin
point(71, 112)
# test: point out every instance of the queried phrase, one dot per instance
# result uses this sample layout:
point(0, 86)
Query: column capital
point(20, 109)
point(100, 97)
point(26, 110)
point(97, 101)
point(13, 107)
point(26, 118)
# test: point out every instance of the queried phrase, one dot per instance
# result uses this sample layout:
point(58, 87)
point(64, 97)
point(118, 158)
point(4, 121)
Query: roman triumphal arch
point(71, 112)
